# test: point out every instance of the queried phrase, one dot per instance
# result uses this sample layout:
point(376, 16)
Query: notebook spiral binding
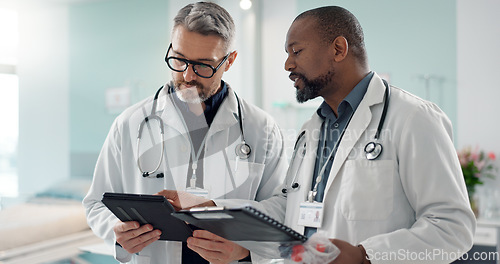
point(271, 220)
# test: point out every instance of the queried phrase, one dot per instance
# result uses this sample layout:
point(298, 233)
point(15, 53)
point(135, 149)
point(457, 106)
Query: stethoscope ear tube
point(162, 140)
point(387, 96)
point(373, 149)
point(243, 150)
point(294, 185)
point(152, 116)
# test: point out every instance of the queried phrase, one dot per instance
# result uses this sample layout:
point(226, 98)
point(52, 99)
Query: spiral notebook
point(240, 224)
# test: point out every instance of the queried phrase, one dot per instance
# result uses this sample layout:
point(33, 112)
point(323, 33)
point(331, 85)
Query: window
point(9, 103)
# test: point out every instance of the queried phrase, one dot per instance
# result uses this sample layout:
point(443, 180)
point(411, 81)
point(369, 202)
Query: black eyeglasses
point(201, 69)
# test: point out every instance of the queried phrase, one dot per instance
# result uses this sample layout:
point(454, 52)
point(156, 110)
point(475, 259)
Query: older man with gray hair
point(213, 144)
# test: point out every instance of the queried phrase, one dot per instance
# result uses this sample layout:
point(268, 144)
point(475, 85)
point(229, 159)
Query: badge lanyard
point(194, 160)
point(311, 211)
point(312, 194)
point(195, 156)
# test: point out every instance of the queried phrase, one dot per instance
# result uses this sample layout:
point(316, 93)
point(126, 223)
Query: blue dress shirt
point(328, 141)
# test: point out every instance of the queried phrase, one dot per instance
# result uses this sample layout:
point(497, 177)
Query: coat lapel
point(312, 135)
point(359, 122)
point(306, 169)
point(227, 115)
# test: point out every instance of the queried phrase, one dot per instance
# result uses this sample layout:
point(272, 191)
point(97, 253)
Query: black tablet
point(148, 209)
point(240, 224)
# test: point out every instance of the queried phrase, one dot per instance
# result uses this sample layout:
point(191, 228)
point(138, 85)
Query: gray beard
point(189, 96)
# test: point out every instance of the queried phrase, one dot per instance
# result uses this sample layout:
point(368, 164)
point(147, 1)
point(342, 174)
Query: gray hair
point(207, 18)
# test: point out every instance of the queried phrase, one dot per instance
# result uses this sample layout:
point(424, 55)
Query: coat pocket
point(240, 181)
point(367, 190)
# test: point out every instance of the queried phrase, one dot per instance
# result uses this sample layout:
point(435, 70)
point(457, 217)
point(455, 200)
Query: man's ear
point(230, 60)
point(340, 48)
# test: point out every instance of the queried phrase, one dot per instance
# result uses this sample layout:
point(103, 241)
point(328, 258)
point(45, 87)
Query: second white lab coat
point(410, 204)
point(117, 170)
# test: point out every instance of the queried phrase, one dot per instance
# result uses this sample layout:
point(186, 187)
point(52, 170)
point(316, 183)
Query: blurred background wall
point(81, 61)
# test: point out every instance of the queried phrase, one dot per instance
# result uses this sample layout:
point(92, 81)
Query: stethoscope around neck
point(372, 149)
point(242, 150)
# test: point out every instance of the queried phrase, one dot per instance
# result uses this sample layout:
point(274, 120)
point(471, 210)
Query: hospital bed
point(48, 227)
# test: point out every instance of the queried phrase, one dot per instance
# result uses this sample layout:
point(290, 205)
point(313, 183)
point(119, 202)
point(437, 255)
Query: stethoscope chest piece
point(373, 150)
point(243, 150)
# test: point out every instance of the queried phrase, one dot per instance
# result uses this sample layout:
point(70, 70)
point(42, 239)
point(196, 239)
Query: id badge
point(198, 192)
point(311, 214)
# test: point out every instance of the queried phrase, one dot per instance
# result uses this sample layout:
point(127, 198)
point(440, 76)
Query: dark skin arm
point(349, 254)
point(211, 247)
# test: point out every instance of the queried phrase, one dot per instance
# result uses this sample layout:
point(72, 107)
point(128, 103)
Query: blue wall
point(119, 43)
point(113, 44)
point(409, 39)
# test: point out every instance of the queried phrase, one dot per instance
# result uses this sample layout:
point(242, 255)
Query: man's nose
point(289, 64)
point(189, 74)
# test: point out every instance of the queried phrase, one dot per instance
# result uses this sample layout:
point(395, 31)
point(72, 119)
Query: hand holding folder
point(239, 224)
point(246, 227)
point(184, 200)
point(148, 209)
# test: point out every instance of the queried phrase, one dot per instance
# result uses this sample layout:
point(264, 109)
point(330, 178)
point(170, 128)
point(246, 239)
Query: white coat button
point(336, 125)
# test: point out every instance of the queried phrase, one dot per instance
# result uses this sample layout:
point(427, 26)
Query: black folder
point(240, 224)
point(148, 209)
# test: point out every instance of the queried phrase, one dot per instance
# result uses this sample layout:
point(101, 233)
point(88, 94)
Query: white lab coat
point(117, 170)
point(407, 204)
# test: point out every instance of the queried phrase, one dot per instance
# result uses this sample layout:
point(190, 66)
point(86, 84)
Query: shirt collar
point(213, 103)
point(352, 100)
